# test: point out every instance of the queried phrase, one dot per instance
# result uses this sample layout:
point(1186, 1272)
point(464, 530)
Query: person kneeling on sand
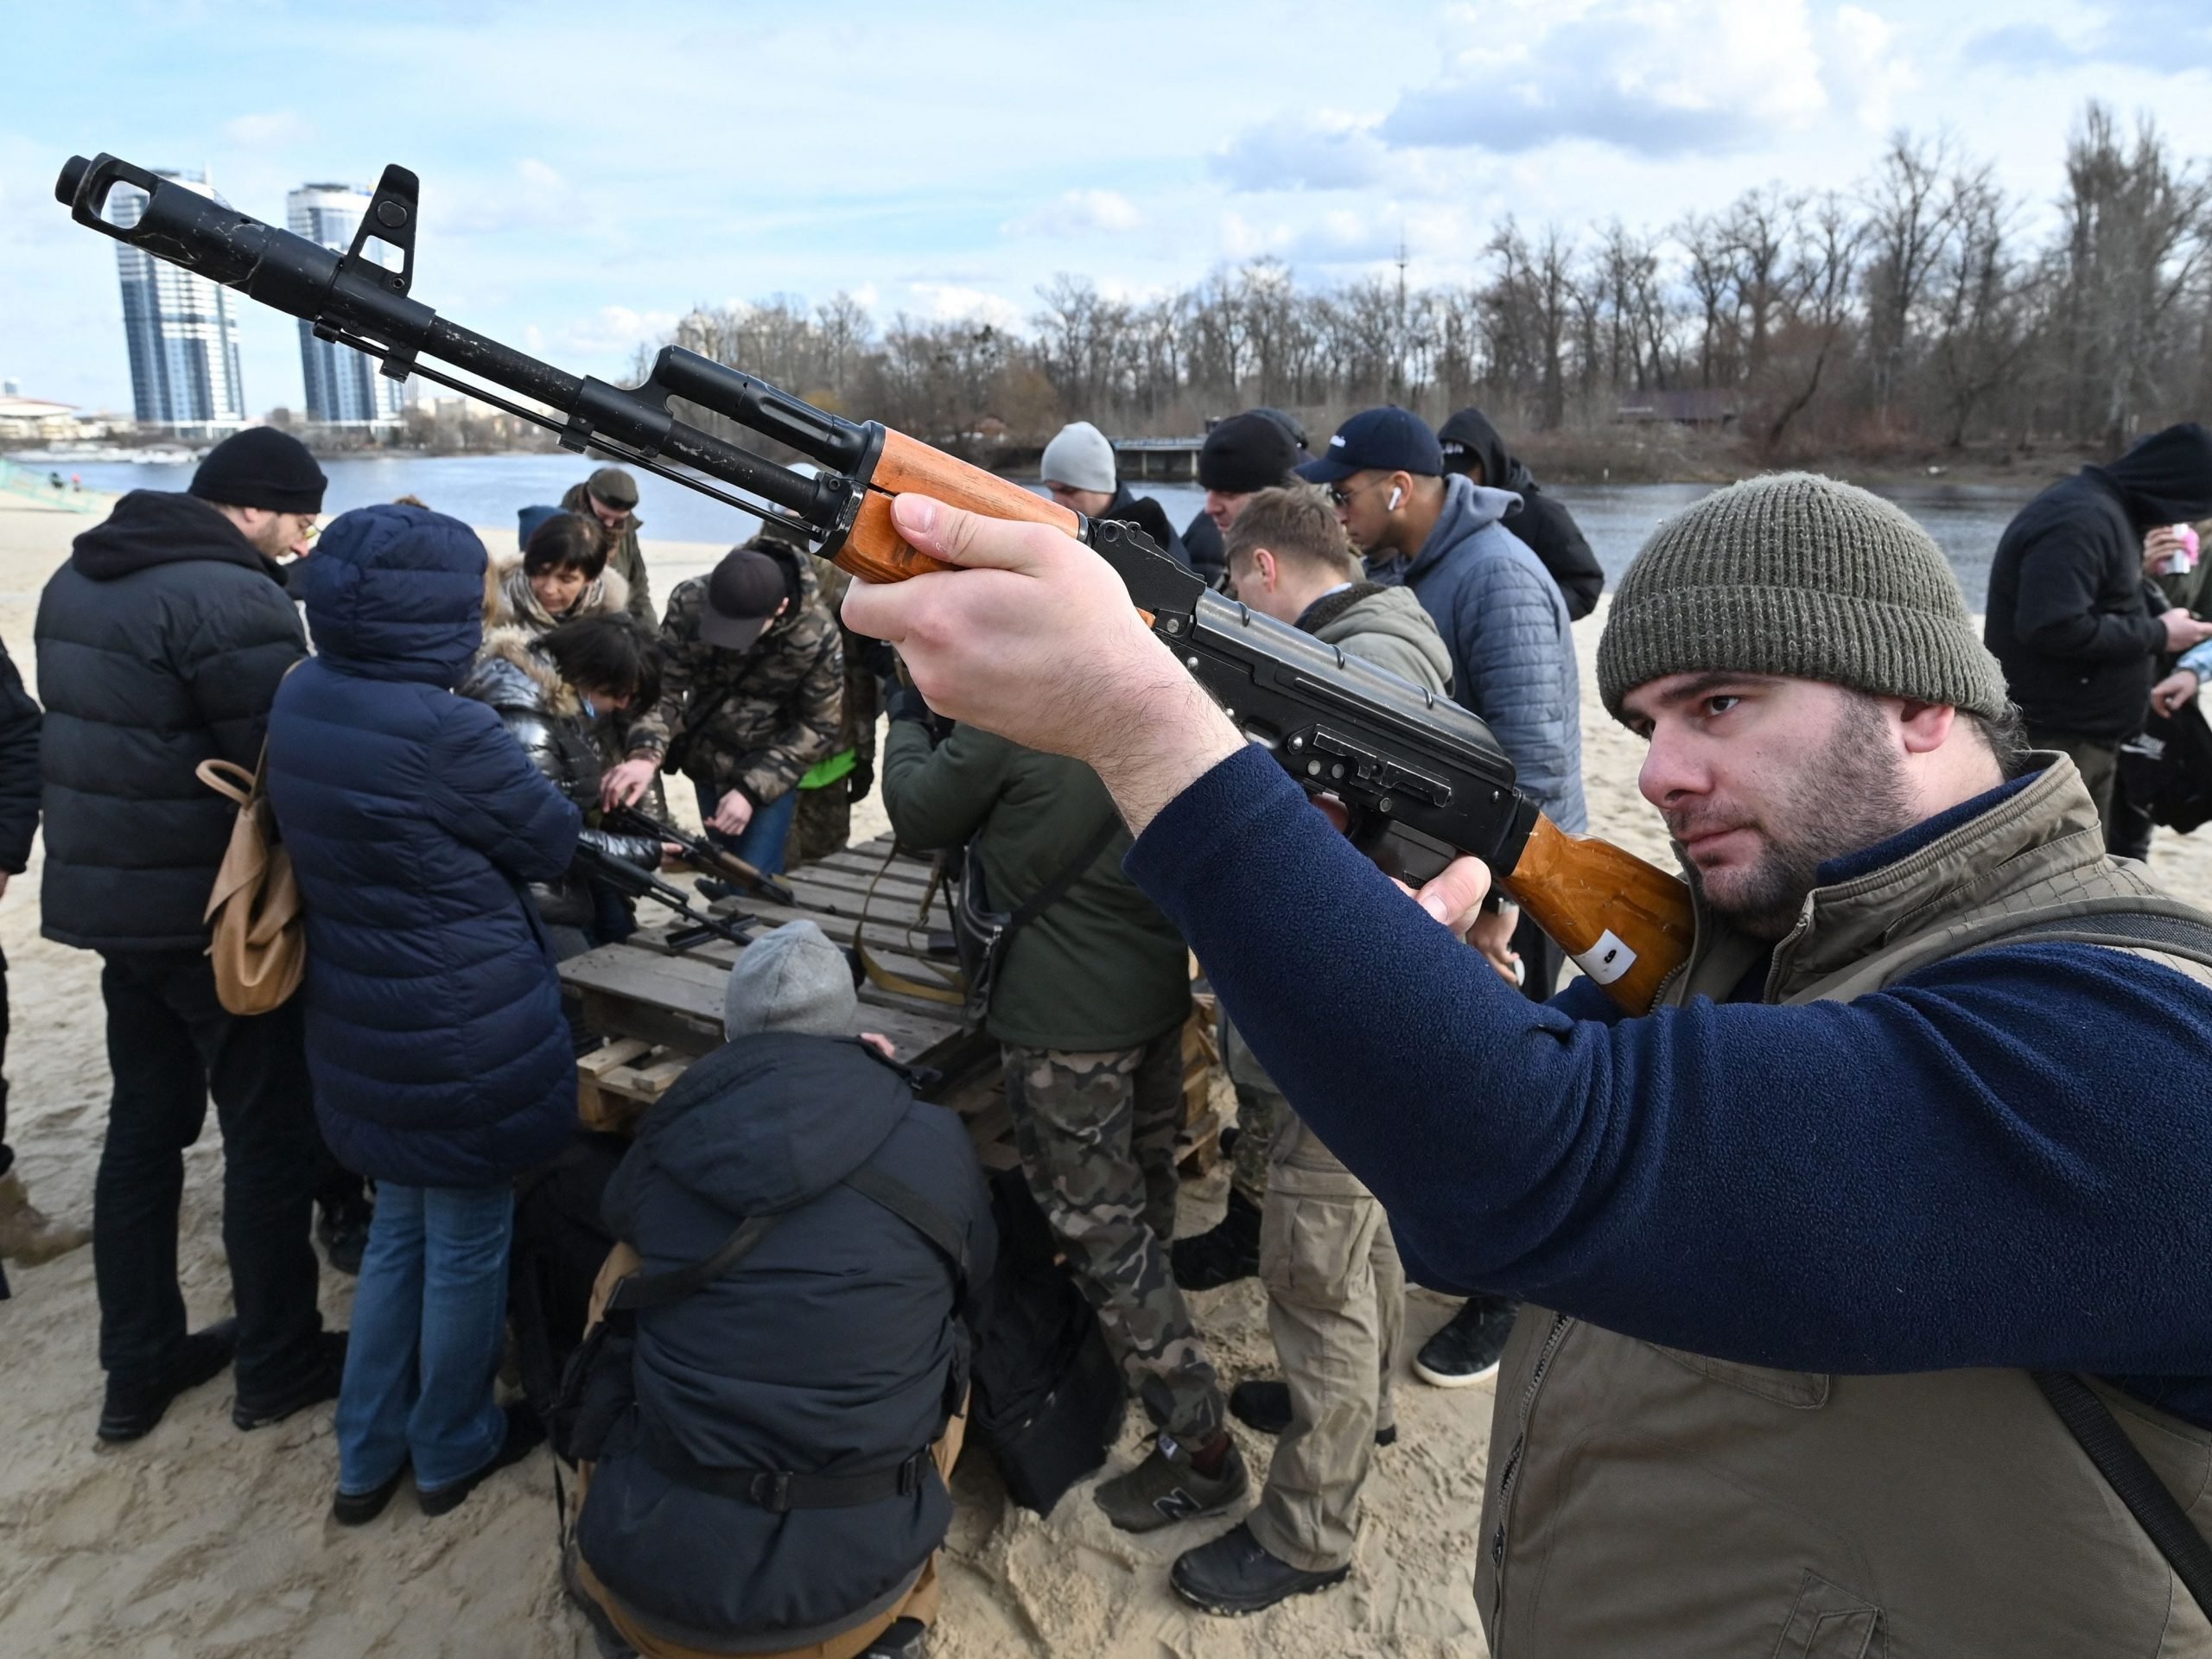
point(442, 1068)
point(777, 1372)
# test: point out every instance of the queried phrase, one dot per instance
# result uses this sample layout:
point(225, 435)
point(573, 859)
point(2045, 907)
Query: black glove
point(906, 702)
point(860, 778)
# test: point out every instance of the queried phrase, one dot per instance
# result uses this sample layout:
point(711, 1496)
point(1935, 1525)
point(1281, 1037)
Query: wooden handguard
point(1627, 924)
point(874, 550)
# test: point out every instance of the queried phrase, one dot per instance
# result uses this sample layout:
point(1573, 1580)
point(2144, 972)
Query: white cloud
point(1865, 69)
point(268, 131)
point(617, 328)
point(1078, 213)
point(1326, 150)
point(949, 303)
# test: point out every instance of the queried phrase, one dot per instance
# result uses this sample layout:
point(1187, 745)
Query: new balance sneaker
point(1234, 1575)
point(1167, 1487)
point(1466, 1350)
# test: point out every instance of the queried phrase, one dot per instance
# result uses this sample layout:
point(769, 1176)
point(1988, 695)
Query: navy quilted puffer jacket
point(433, 1018)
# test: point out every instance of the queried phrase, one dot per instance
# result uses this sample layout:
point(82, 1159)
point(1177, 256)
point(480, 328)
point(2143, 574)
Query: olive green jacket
point(1102, 969)
point(623, 555)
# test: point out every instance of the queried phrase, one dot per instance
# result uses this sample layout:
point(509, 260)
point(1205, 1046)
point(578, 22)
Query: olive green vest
point(1642, 1501)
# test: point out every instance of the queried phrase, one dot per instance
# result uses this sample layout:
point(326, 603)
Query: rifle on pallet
point(1422, 780)
point(630, 880)
point(703, 855)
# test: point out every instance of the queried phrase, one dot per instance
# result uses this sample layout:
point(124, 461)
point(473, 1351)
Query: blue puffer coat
point(433, 1018)
point(1512, 656)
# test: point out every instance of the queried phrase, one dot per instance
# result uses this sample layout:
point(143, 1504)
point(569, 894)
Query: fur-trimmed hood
point(511, 673)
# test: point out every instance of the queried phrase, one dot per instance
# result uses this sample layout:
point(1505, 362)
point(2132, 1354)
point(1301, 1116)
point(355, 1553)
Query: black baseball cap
point(742, 593)
point(1390, 440)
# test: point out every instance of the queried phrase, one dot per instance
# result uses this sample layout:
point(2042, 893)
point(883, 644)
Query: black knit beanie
point(261, 467)
point(1800, 575)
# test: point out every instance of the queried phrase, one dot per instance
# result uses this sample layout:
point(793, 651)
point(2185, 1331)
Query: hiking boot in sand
point(28, 1233)
point(1234, 1574)
point(321, 1383)
point(1167, 1487)
point(1264, 1404)
point(131, 1410)
point(1226, 1252)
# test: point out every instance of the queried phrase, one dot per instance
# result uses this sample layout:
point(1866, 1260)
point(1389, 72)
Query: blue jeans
point(761, 845)
point(429, 1320)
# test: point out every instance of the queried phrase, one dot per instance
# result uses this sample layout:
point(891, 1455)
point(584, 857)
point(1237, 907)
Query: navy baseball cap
point(1391, 439)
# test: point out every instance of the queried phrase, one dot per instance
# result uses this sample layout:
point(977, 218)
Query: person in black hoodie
point(2073, 619)
point(160, 646)
point(778, 1484)
point(1472, 445)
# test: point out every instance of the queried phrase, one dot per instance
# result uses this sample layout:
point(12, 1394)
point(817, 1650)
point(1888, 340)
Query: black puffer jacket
point(19, 784)
point(828, 1351)
point(1546, 529)
point(542, 712)
point(2072, 618)
point(1202, 542)
point(160, 646)
point(1147, 515)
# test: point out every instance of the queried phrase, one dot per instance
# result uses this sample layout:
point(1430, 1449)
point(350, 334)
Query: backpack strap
point(780, 1491)
point(647, 1290)
point(918, 1212)
point(2129, 1475)
point(1056, 889)
point(2171, 935)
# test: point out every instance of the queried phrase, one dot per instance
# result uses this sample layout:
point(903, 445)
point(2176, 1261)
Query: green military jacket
point(1100, 970)
point(753, 720)
point(624, 555)
point(1645, 1501)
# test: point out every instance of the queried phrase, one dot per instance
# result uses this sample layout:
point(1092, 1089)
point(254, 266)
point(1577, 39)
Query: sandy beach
point(199, 1542)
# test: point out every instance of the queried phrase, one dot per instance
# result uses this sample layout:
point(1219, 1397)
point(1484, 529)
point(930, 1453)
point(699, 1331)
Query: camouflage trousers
point(1096, 1135)
point(822, 825)
point(1261, 1109)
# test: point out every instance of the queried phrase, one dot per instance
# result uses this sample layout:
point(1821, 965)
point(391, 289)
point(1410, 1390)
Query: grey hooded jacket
point(1386, 626)
point(1506, 627)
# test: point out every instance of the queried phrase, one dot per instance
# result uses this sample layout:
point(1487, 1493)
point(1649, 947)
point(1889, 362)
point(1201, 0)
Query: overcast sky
point(586, 180)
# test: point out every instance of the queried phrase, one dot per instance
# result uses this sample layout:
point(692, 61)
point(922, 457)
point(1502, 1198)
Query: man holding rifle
point(1794, 1242)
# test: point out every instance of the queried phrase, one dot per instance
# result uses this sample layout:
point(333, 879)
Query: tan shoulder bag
point(259, 942)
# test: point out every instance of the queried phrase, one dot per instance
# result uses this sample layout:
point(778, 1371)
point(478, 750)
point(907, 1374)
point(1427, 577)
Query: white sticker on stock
point(1607, 960)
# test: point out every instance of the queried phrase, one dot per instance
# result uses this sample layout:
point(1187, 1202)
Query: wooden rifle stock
point(1626, 922)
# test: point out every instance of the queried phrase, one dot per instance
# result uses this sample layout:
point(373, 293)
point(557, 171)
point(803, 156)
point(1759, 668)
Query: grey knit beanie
point(794, 979)
point(1080, 457)
point(1798, 575)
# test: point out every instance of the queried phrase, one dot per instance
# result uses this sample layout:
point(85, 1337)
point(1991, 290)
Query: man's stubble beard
point(1846, 799)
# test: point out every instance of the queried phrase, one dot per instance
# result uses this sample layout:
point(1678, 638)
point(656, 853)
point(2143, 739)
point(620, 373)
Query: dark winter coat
point(19, 780)
point(1202, 543)
point(433, 1023)
point(828, 1351)
point(1546, 527)
point(2071, 617)
point(543, 713)
point(1512, 656)
point(159, 645)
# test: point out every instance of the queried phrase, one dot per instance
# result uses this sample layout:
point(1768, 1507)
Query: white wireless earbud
point(1396, 496)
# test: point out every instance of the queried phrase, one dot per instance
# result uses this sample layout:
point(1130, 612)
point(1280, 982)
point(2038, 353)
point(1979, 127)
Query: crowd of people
point(775, 1384)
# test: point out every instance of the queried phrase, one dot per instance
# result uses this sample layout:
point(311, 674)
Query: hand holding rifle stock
point(1033, 623)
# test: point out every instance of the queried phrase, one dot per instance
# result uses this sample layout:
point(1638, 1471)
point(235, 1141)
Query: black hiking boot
point(1264, 1404)
point(905, 1638)
point(317, 1385)
point(342, 1227)
point(1466, 1350)
point(523, 1434)
point(128, 1414)
point(359, 1509)
point(1233, 1574)
point(1230, 1251)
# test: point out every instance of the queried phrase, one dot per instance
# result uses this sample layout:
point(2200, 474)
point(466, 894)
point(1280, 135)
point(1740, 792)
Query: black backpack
point(560, 1244)
point(1047, 1397)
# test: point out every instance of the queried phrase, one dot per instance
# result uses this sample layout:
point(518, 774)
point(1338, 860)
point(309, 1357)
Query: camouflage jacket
point(747, 720)
point(623, 555)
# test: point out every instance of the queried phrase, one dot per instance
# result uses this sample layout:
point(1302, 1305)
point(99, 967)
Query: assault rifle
point(1422, 779)
point(633, 882)
point(703, 855)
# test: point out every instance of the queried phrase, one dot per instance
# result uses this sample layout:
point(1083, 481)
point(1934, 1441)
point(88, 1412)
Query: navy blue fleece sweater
point(2006, 1161)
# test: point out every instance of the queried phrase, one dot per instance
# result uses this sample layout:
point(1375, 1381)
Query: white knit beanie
point(1080, 458)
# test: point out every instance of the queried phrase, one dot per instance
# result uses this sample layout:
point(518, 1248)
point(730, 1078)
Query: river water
point(1966, 519)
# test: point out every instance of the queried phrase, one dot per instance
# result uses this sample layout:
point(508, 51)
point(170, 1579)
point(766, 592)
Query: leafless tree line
point(1916, 308)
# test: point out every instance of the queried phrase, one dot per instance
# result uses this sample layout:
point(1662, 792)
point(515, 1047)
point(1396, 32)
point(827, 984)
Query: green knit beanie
point(1797, 575)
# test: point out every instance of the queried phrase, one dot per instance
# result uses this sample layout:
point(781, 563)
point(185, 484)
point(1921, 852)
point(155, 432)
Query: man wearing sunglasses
point(1503, 620)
